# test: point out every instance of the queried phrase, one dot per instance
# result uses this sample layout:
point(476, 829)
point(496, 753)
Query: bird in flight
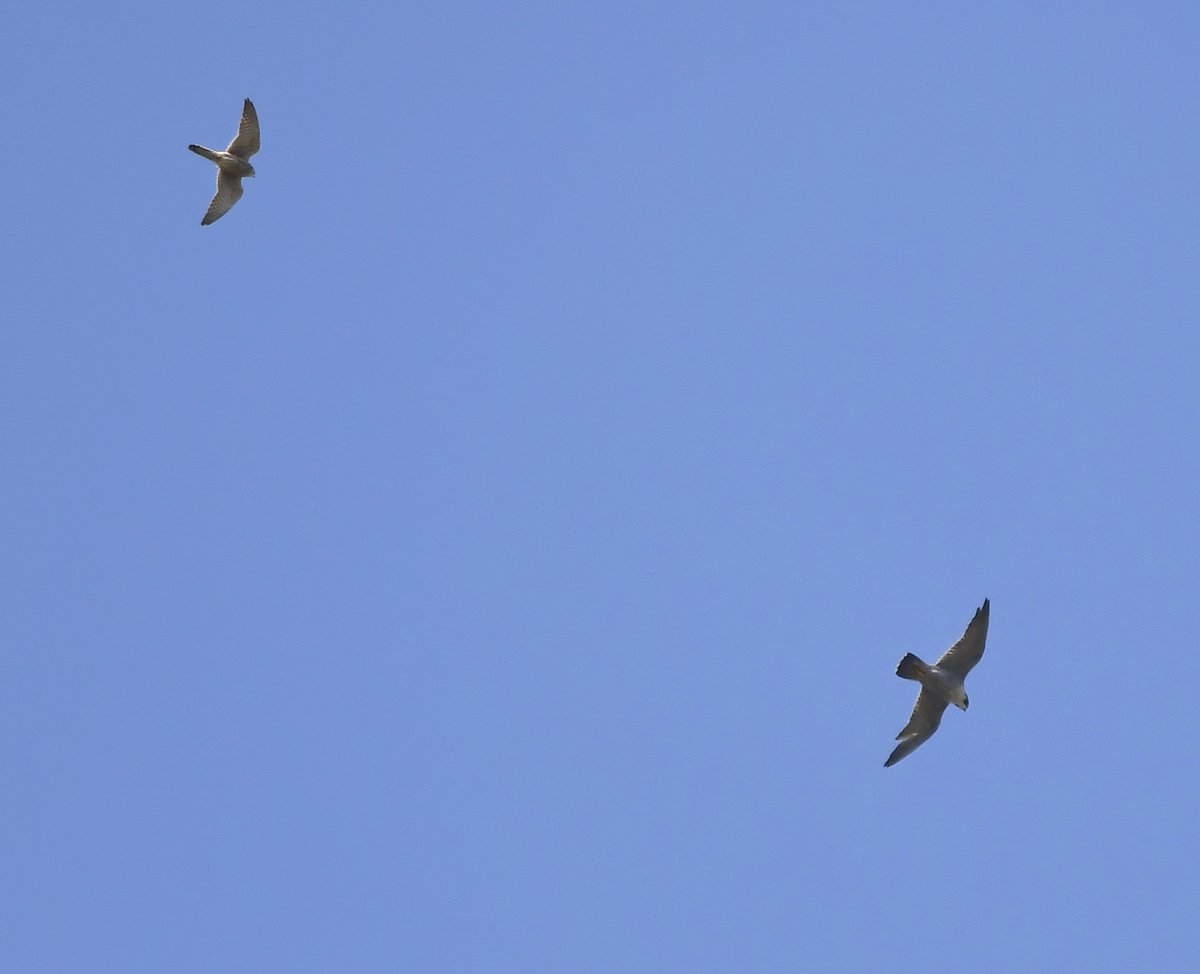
point(941, 684)
point(232, 164)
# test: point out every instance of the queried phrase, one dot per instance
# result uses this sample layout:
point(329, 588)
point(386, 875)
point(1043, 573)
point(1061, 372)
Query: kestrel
point(232, 164)
point(941, 684)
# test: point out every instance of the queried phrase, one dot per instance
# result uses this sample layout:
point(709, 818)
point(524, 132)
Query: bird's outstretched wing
point(924, 720)
point(229, 191)
point(968, 651)
point(245, 143)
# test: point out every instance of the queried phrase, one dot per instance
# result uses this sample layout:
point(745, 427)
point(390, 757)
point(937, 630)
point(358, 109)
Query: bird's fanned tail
point(910, 667)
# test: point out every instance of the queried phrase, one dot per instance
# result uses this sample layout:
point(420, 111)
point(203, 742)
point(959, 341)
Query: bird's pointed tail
point(910, 667)
point(201, 151)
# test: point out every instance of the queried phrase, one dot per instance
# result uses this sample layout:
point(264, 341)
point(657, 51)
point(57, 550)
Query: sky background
point(490, 545)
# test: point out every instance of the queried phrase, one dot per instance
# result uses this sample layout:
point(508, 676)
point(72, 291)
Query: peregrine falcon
point(232, 164)
point(941, 684)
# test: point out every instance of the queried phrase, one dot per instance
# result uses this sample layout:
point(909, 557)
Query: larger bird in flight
point(941, 684)
point(232, 164)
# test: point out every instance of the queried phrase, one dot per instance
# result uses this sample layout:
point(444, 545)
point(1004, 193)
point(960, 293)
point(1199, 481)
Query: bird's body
point(233, 164)
point(226, 161)
point(942, 684)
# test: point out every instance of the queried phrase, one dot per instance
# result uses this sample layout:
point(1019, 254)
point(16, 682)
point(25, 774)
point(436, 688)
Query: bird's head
point(965, 702)
point(251, 172)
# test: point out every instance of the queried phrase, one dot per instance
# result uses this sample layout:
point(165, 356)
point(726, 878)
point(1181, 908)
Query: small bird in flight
point(232, 164)
point(941, 684)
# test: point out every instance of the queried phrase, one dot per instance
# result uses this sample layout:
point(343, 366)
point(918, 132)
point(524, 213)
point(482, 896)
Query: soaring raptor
point(232, 164)
point(941, 684)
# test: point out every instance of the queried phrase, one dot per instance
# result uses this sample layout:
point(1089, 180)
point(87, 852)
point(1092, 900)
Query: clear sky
point(489, 547)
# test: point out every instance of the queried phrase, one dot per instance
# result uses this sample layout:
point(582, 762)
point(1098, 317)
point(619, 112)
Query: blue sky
point(489, 547)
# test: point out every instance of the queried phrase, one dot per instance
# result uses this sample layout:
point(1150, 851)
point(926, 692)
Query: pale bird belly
point(233, 165)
